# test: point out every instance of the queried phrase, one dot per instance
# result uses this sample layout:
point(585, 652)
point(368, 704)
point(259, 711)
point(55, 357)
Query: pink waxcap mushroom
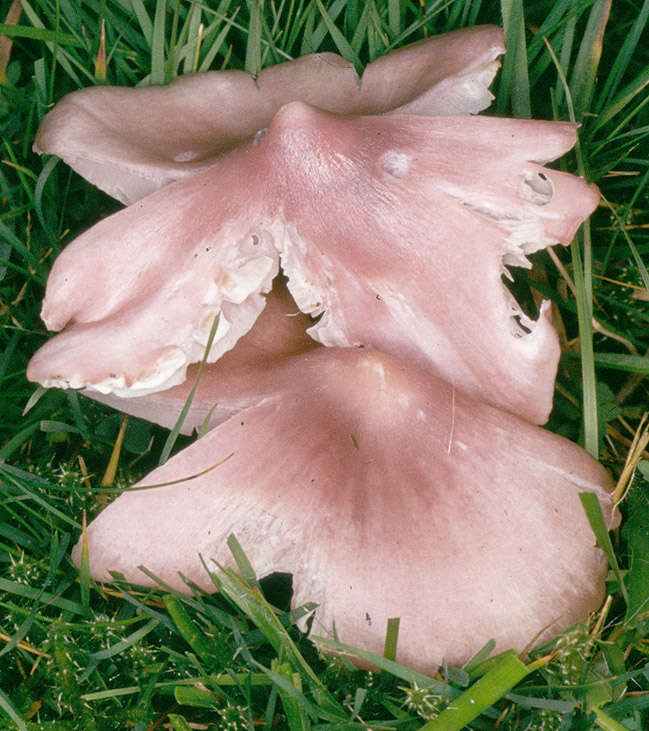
point(243, 377)
point(130, 142)
point(397, 230)
point(386, 493)
point(161, 271)
point(411, 261)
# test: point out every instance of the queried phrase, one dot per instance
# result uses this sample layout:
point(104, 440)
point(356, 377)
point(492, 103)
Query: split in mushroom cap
point(130, 142)
point(243, 377)
point(386, 493)
point(396, 229)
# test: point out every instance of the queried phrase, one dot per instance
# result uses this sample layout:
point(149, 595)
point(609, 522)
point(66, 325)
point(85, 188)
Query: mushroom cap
point(130, 142)
point(242, 377)
point(411, 261)
point(396, 229)
point(162, 270)
point(386, 493)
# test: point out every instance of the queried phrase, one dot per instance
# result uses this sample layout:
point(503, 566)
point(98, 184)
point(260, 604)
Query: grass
point(79, 655)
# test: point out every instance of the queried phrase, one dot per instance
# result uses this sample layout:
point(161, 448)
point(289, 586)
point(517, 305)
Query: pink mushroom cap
point(386, 493)
point(132, 141)
point(395, 230)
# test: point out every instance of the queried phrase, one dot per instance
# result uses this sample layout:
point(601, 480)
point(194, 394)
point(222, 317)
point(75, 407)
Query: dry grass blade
point(635, 454)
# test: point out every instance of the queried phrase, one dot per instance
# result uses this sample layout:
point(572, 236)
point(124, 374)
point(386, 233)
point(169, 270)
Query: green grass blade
point(243, 563)
point(24, 253)
point(296, 708)
point(563, 64)
point(158, 44)
point(287, 690)
point(252, 603)
point(394, 16)
point(189, 56)
point(636, 536)
point(54, 47)
point(174, 42)
point(195, 697)
point(20, 590)
point(621, 103)
point(362, 33)
point(322, 29)
point(18, 440)
point(558, 16)
point(514, 89)
point(480, 696)
point(253, 46)
point(642, 269)
point(308, 44)
point(7, 707)
point(604, 721)
point(389, 666)
point(391, 638)
point(143, 19)
point(190, 631)
point(594, 514)
point(127, 642)
point(215, 46)
point(38, 193)
point(344, 48)
point(39, 34)
point(41, 502)
point(233, 680)
point(622, 362)
point(584, 73)
point(623, 58)
point(84, 569)
point(173, 435)
point(583, 296)
point(178, 723)
point(582, 269)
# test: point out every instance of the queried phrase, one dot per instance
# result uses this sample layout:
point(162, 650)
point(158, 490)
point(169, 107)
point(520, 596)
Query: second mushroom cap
point(386, 493)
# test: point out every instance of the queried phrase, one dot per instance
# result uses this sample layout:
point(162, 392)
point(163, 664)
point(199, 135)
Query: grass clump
point(80, 655)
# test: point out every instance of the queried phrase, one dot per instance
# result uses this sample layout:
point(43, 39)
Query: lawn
point(75, 654)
